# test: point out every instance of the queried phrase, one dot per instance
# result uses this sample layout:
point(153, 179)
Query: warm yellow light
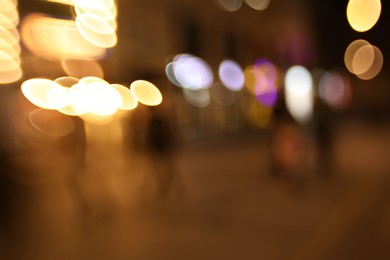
point(97, 39)
point(67, 81)
point(146, 93)
point(97, 119)
point(7, 5)
point(106, 9)
point(55, 39)
point(36, 91)
point(129, 102)
point(10, 76)
point(100, 98)
point(77, 103)
point(363, 14)
point(259, 5)
point(7, 62)
point(65, 2)
point(250, 79)
point(11, 50)
point(82, 68)
point(92, 79)
point(376, 65)
point(58, 97)
point(10, 35)
point(351, 51)
point(363, 59)
point(97, 24)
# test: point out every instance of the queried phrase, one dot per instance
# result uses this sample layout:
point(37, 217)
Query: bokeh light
point(333, 88)
point(229, 5)
point(259, 5)
point(10, 63)
point(129, 102)
point(36, 91)
point(51, 123)
point(57, 39)
point(363, 59)
point(376, 66)
point(192, 72)
point(231, 75)
point(299, 93)
point(81, 68)
point(146, 93)
point(362, 15)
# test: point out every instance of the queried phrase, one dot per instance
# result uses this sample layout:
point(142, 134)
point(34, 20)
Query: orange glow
point(54, 39)
point(376, 65)
point(259, 5)
point(129, 102)
point(58, 97)
point(351, 51)
point(82, 68)
point(67, 81)
point(10, 76)
point(65, 2)
point(363, 14)
point(7, 62)
point(51, 123)
point(97, 119)
point(363, 59)
point(146, 93)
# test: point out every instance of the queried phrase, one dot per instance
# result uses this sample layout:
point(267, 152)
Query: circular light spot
point(129, 102)
point(229, 5)
point(298, 93)
point(51, 123)
point(363, 59)
point(97, 39)
point(298, 81)
point(351, 51)
point(376, 65)
point(58, 97)
point(66, 81)
point(36, 90)
point(92, 79)
point(231, 75)
point(7, 77)
point(146, 93)
point(171, 74)
point(362, 15)
point(82, 68)
point(259, 5)
point(97, 24)
point(192, 72)
point(7, 62)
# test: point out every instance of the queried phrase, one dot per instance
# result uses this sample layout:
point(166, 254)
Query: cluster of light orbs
point(96, 21)
point(263, 80)
point(91, 98)
point(361, 58)
point(10, 69)
point(235, 5)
